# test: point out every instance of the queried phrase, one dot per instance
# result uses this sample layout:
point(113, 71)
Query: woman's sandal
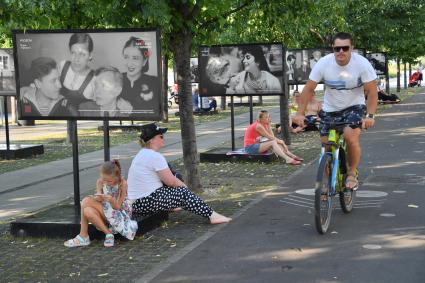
point(78, 241)
point(352, 178)
point(109, 240)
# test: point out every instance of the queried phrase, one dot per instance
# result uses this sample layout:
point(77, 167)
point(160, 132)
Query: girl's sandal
point(109, 240)
point(352, 178)
point(78, 241)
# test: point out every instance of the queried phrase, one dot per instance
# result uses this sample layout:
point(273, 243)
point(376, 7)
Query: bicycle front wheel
point(323, 195)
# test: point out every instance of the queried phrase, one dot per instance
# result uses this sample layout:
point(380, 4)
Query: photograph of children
point(7, 72)
point(378, 61)
point(92, 75)
point(240, 70)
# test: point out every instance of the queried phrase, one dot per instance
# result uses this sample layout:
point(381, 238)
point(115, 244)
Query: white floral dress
point(119, 219)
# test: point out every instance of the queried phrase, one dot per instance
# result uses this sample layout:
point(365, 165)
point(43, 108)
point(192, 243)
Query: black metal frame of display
point(16, 151)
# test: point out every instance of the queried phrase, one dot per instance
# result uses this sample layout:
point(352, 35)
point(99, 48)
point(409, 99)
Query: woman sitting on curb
point(152, 187)
point(259, 138)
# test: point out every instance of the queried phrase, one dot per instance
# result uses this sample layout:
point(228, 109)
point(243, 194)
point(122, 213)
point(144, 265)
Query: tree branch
point(237, 9)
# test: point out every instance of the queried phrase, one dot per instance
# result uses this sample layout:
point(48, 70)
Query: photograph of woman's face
point(134, 61)
point(80, 56)
point(248, 62)
point(49, 85)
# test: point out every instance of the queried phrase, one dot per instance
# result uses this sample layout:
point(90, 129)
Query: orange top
point(251, 134)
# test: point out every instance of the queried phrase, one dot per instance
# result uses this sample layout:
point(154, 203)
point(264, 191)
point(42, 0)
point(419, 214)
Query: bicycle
point(331, 177)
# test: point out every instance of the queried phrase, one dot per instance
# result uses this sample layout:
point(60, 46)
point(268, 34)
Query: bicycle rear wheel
point(346, 197)
point(323, 195)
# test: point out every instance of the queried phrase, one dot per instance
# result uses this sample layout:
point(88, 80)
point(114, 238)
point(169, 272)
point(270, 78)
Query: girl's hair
point(139, 44)
point(112, 168)
point(81, 38)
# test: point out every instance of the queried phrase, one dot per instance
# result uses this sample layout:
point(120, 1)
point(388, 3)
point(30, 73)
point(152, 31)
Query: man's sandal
point(109, 240)
point(78, 241)
point(352, 178)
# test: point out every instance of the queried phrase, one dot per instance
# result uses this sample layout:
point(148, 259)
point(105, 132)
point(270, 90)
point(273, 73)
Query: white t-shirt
point(344, 84)
point(143, 178)
point(205, 102)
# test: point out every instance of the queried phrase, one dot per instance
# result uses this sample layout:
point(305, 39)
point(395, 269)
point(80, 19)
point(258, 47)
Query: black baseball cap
point(151, 130)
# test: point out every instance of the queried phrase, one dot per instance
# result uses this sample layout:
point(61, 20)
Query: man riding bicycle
point(348, 78)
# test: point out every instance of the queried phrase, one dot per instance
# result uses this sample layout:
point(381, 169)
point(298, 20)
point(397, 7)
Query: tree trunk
point(398, 75)
point(222, 102)
point(284, 115)
point(181, 45)
point(165, 87)
point(405, 75)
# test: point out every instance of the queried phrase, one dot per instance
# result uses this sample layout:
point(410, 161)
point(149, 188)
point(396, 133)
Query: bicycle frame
point(335, 143)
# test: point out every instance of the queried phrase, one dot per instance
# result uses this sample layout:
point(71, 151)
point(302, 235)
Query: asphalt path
point(274, 240)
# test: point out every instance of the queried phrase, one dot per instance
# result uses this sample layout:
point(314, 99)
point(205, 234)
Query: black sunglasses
point(338, 48)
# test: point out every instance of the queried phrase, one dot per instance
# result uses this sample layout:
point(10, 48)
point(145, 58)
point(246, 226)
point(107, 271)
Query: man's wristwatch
point(370, 115)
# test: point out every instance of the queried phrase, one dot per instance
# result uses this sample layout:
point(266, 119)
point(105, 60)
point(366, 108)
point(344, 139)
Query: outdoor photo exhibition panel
point(241, 70)
point(379, 62)
point(7, 72)
point(90, 74)
point(299, 63)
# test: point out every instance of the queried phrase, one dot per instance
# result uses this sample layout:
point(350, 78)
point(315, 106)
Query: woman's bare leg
point(276, 149)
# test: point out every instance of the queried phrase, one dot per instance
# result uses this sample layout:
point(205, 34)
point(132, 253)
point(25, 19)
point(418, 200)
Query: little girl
point(109, 209)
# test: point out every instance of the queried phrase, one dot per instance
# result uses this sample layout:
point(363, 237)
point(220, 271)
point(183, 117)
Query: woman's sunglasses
point(338, 48)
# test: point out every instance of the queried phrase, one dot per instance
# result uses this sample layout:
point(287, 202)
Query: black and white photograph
point(378, 61)
point(7, 72)
point(300, 62)
point(245, 69)
point(360, 51)
point(194, 73)
point(90, 74)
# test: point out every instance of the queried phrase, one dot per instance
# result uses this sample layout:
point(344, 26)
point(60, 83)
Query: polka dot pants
point(167, 198)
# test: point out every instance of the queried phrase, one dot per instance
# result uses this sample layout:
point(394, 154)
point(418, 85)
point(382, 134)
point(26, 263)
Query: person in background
point(195, 100)
point(153, 188)
point(259, 138)
point(208, 104)
point(42, 97)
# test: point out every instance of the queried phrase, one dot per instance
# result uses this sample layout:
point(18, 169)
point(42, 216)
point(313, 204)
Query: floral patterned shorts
point(353, 114)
